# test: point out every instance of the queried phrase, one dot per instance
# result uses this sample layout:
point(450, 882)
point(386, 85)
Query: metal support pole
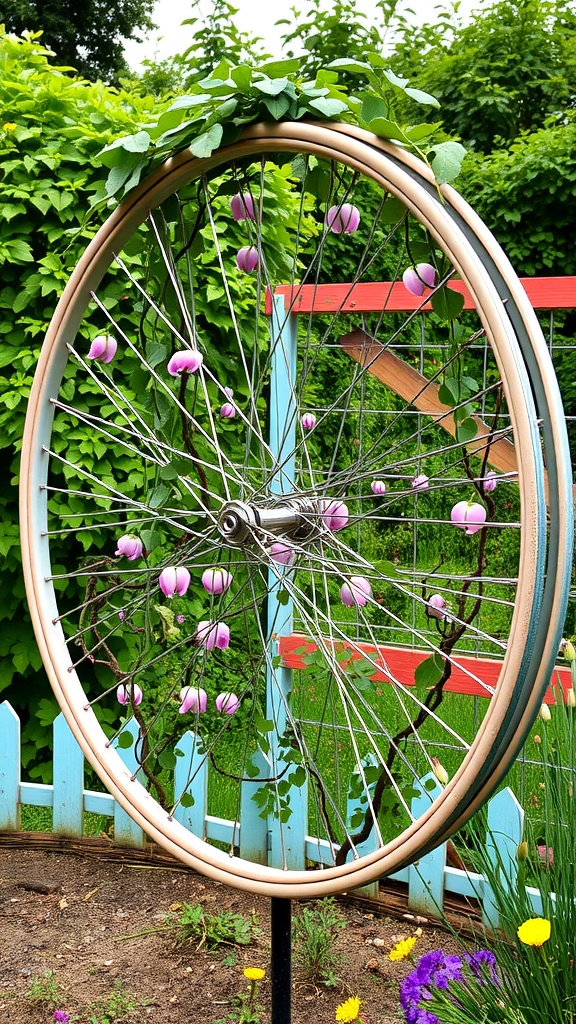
point(280, 959)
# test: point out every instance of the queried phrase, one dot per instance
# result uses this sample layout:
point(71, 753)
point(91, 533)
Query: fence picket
point(191, 777)
point(68, 781)
point(9, 769)
point(427, 880)
point(126, 831)
point(426, 875)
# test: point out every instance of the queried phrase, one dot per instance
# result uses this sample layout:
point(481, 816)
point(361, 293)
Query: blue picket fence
point(428, 880)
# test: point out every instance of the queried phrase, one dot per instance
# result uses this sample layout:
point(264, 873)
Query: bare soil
point(95, 922)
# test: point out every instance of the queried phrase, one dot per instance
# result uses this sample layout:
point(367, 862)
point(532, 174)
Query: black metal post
point(280, 960)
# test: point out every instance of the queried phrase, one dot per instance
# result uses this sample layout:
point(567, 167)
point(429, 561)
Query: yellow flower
point(534, 932)
point(348, 1011)
point(254, 973)
point(9, 126)
point(402, 949)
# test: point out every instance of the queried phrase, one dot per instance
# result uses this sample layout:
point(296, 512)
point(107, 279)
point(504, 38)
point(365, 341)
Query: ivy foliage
point(51, 128)
point(217, 108)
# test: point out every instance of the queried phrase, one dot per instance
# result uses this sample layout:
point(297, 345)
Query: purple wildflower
point(129, 694)
point(194, 699)
point(103, 348)
point(227, 703)
point(211, 635)
point(469, 516)
point(61, 1016)
point(188, 360)
point(130, 546)
point(242, 206)
point(247, 259)
point(308, 421)
point(344, 218)
point(174, 580)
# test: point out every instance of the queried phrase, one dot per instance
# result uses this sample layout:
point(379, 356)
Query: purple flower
point(188, 360)
point(334, 514)
point(483, 966)
point(421, 482)
point(247, 259)
point(211, 635)
point(356, 591)
point(242, 206)
point(283, 553)
point(130, 546)
point(489, 482)
point(227, 703)
point(469, 516)
point(436, 606)
point(103, 348)
point(308, 421)
point(228, 411)
point(216, 581)
point(174, 581)
point(418, 278)
point(180, 618)
point(121, 615)
point(61, 1016)
point(378, 487)
point(344, 218)
point(193, 699)
point(129, 694)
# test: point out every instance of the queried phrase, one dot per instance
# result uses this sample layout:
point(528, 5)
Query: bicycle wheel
point(291, 518)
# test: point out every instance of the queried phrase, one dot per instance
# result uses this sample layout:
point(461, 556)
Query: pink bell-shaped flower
point(378, 487)
point(188, 360)
point(334, 514)
point(193, 698)
point(343, 219)
point(356, 591)
point(212, 635)
point(420, 482)
point(247, 259)
point(103, 348)
point(489, 482)
point(228, 411)
point(418, 278)
point(308, 421)
point(242, 206)
point(174, 580)
point(129, 546)
point(283, 553)
point(436, 606)
point(227, 703)
point(217, 580)
point(469, 516)
point(129, 693)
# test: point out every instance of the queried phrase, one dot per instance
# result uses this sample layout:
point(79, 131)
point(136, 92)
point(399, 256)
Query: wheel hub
point(295, 518)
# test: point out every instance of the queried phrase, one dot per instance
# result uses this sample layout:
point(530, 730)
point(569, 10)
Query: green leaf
point(280, 68)
point(422, 97)
point(355, 67)
point(386, 129)
point(466, 430)
point(329, 107)
point(242, 76)
point(282, 596)
point(125, 740)
point(186, 800)
point(429, 671)
point(270, 86)
point(277, 106)
point(205, 144)
point(447, 303)
point(447, 161)
point(138, 143)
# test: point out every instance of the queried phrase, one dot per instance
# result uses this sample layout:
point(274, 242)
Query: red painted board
point(402, 663)
point(543, 292)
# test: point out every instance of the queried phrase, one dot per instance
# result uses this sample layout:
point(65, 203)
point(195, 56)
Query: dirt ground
point(96, 923)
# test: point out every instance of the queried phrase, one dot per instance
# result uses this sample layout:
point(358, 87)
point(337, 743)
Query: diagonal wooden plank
point(421, 393)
